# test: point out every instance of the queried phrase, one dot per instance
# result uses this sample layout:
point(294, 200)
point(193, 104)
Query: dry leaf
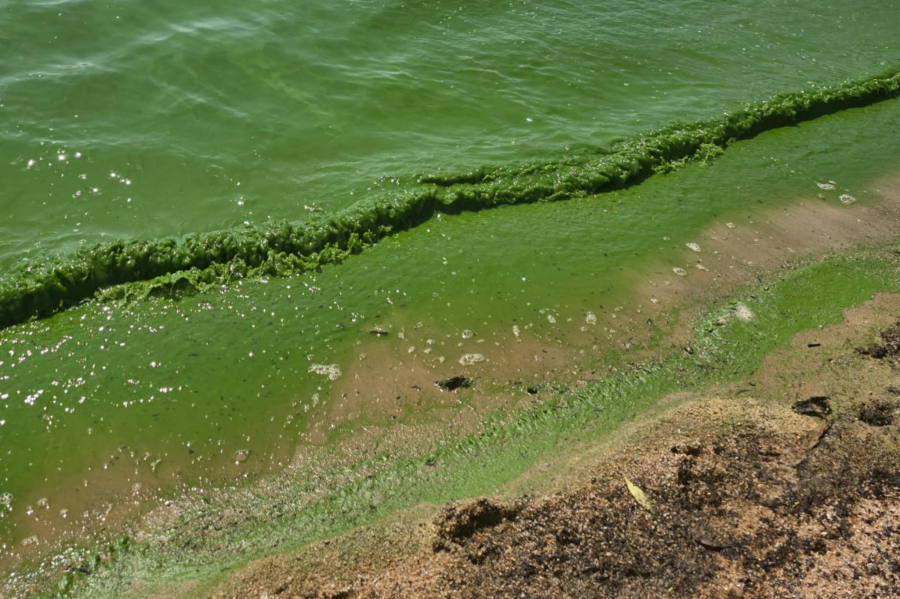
point(638, 495)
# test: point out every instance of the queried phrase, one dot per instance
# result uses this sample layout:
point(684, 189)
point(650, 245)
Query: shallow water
point(184, 118)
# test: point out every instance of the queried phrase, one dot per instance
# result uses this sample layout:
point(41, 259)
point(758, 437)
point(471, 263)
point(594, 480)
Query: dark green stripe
point(166, 266)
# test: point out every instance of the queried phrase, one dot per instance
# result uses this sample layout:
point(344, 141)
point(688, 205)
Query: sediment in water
point(168, 267)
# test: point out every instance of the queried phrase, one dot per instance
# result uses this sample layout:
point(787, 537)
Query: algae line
point(168, 267)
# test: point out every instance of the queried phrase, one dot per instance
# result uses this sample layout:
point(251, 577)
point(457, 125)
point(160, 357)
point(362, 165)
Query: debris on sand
point(889, 348)
point(638, 494)
point(377, 331)
point(459, 521)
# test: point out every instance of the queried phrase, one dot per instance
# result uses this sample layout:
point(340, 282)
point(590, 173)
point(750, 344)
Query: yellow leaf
point(638, 495)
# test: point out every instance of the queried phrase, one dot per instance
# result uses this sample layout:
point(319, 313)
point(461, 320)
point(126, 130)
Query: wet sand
point(751, 493)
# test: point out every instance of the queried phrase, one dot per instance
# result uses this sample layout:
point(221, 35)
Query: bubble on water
point(61, 157)
point(30, 163)
point(467, 334)
point(240, 456)
point(825, 186)
point(332, 371)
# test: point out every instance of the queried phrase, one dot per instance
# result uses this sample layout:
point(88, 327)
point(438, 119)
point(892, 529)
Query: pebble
point(469, 359)
point(591, 318)
point(679, 271)
point(847, 199)
point(693, 246)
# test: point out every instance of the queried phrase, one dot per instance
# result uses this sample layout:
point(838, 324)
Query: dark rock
point(877, 414)
point(816, 407)
point(454, 382)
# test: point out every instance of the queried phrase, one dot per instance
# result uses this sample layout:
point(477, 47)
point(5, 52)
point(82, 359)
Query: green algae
point(320, 503)
point(141, 269)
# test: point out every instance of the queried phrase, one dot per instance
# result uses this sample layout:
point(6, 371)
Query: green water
point(160, 119)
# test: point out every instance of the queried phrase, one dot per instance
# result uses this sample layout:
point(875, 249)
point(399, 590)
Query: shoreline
point(162, 517)
point(747, 490)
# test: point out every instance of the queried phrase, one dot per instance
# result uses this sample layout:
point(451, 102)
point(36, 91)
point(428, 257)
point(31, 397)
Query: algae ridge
point(142, 268)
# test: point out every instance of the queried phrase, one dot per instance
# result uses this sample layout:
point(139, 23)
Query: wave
point(140, 269)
